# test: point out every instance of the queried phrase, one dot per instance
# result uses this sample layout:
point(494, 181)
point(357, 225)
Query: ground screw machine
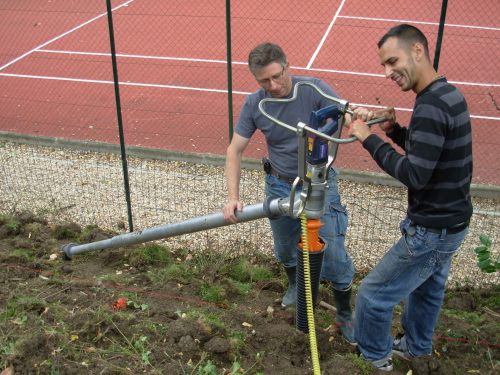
point(318, 144)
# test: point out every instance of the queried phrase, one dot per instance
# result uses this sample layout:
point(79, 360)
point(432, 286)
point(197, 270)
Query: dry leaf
point(246, 324)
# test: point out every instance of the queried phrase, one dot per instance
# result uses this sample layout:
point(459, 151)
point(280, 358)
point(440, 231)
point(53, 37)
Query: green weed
point(473, 317)
point(364, 366)
point(180, 272)
point(12, 224)
point(22, 255)
point(137, 306)
point(150, 254)
point(212, 259)
point(485, 255)
point(245, 271)
point(133, 347)
point(212, 293)
point(240, 287)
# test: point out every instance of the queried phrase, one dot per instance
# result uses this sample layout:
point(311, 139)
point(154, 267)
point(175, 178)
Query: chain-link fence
point(172, 96)
point(172, 66)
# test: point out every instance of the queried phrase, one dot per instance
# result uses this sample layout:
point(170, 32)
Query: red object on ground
point(120, 304)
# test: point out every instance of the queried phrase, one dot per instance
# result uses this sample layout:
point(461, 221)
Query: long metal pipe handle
point(271, 208)
point(343, 107)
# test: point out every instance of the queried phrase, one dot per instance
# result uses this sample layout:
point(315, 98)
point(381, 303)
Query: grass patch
point(22, 255)
point(180, 273)
point(245, 271)
point(213, 293)
point(150, 254)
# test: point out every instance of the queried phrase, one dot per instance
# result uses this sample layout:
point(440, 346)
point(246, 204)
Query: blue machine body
point(325, 120)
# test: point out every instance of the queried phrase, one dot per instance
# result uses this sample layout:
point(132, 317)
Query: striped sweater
point(437, 165)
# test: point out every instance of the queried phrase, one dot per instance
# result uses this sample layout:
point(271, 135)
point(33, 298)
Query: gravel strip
point(87, 188)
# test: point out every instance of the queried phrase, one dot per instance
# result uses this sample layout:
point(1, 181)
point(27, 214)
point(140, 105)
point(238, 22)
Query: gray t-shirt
point(282, 144)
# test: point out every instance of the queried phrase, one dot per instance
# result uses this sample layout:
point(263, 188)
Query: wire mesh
point(56, 89)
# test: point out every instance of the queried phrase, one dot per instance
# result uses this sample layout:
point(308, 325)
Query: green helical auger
point(309, 303)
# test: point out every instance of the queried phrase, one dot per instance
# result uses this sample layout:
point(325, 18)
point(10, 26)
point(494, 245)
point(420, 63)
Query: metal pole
point(271, 208)
point(229, 69)
point(119, 115)
point(437, 54)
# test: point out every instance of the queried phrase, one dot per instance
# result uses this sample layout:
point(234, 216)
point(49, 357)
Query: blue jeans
point(337, 264)
point(415, 268)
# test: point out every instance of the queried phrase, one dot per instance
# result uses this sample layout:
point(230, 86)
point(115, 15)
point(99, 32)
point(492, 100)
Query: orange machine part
point(314, 243)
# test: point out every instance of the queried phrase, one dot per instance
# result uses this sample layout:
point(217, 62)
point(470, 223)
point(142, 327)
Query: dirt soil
point(62, 316)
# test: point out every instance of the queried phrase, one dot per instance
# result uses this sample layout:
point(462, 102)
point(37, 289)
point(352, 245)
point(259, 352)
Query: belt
point(454, 229)
point(289, 180)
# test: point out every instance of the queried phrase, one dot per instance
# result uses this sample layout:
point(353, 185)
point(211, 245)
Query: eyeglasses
point(274, 78)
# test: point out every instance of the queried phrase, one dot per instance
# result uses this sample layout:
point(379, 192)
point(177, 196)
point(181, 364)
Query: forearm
point(385, 156)
point(233, 175)
point(412, 175)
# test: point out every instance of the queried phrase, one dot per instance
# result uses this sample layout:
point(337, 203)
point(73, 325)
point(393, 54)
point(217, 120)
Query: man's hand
point(229, 210)
point(390, 115)
point(359, 130)
point(361, 113)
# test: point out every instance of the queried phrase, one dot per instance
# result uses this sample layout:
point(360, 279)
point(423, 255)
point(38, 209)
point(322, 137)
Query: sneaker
point(400, 348)
point(384, 364)
point(387, 366)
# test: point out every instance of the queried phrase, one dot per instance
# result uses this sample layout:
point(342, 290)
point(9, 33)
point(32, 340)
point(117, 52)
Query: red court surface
point(56, 77)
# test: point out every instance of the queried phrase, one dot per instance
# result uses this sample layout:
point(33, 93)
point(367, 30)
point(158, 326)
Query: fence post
point(119, 115)
point(229, 69)
point(444, 7)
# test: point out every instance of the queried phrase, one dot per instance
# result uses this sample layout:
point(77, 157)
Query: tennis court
point(56, 76)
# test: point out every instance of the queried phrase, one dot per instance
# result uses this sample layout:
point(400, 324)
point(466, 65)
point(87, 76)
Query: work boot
point(344, 319)
point(290, 297)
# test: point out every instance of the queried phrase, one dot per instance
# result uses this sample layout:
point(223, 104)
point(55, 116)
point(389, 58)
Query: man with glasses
point(269, 66)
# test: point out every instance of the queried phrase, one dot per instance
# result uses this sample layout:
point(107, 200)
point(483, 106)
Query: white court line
point(325, 35)
point(221, 62)
point(243, 63)
point(315, 54)
point(187, 88)
point(60, 36)
point(156, 85)
point(383, 76)
point(136, 56)
point(421, 22)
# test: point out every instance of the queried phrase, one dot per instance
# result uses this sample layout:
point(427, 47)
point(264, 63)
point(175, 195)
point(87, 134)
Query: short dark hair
point(406, 34)
point(265, 54)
